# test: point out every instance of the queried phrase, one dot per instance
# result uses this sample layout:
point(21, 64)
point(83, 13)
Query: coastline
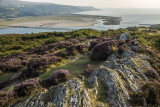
point(73, 20)
point(58, 23)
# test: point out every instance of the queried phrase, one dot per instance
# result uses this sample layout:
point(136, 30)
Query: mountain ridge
point(15, 8)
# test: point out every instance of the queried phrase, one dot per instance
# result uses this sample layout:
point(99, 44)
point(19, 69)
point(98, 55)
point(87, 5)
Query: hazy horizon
point(106, 3)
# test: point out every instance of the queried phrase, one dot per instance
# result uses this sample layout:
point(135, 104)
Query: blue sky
point(107, 3)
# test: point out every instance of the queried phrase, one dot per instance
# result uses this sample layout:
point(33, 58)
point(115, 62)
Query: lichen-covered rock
point(69, 94)
point(122, 74)
point(124, 37)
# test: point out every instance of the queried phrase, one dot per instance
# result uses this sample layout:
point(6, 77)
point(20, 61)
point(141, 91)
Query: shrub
point(102, 51)
point(62, 54)
point(11, 65)
point(152, 93)
point(39, 50)
point(121, 43)
point(12, 62)
point(57, 77)
point(89, 69)
point(134, 42)
point(120, 49)
point(27, 87)
point(36, 66)
point(151, 73)
point(92, 44)
point(1, 72)
point(6, 98)
point(137, 99)
point(81, 48)
point(71, 50)
point(82, 39)
point(74, 41)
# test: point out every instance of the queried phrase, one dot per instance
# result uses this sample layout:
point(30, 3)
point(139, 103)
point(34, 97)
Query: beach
point(58, 23)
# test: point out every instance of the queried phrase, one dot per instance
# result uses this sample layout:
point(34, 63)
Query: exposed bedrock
point(69, 94)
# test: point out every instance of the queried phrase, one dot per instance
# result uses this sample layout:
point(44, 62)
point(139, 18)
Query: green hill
point(15, 8)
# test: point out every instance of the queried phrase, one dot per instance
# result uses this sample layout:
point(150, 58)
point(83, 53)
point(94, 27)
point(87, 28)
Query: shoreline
point(85, 22)
point(59, 21)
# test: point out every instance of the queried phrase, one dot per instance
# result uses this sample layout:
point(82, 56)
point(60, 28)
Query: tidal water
point(131, 17)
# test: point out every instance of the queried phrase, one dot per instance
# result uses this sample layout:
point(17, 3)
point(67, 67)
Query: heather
point(20, 91)
point(101, 51)
point(49, 59)
point(56, 78)
point(26, 88)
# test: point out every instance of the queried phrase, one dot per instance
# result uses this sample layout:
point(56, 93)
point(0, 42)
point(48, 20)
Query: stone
point(122, 75)
point(93, 81)
point(71, 93)
point(124, 37)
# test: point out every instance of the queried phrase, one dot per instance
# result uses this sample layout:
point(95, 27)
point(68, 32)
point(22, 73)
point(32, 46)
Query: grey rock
point(93, 81)
point(69, 94)
point(122, 75)
point(124, 37)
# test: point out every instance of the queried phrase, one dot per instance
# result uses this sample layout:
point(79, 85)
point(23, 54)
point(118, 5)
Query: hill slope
point(15, 8)
point(117, 68)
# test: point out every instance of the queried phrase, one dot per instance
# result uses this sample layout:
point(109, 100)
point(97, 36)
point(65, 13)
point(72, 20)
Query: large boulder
point(101, 51)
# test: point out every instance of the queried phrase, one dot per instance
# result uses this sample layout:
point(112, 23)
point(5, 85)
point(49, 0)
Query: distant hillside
point(15, 8)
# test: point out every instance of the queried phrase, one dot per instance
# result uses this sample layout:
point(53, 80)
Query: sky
point(107, 3)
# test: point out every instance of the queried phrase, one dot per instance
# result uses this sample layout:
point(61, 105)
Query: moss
point(6, 76)
point(101, 97)
point(75, 65)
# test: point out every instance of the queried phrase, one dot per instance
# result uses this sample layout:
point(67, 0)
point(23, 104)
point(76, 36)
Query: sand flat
point(58, 23)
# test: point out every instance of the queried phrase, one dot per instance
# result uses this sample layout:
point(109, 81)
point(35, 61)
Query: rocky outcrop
point(122, 74)
point(124, 37)
point(109, 84)
point(69, 94)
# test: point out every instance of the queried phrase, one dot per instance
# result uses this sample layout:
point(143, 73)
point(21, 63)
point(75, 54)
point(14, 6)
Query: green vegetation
point(15, 8)
point(67, 50)
point(6, 76)
point(75, 66)
point(18, 43)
